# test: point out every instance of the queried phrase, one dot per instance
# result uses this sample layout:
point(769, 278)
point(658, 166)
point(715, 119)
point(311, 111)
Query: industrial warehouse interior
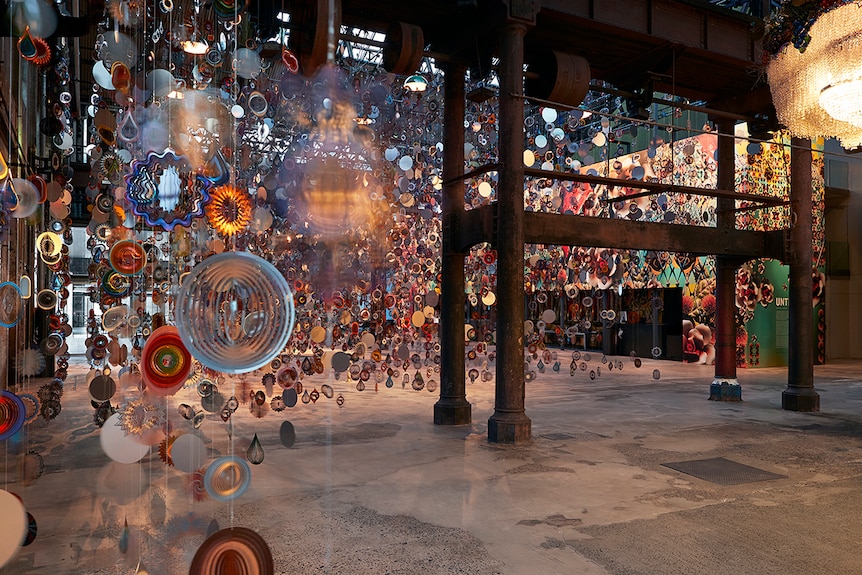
point(470, 286)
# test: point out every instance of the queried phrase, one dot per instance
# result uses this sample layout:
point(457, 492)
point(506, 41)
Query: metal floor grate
point(722, 471)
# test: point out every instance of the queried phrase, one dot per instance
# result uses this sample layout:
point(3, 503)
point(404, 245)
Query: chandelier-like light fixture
point(815, 69)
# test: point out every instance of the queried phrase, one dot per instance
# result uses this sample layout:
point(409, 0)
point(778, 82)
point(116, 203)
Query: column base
point(453, 413)
point(725, 389)
point(807, 400)
point(509, 428)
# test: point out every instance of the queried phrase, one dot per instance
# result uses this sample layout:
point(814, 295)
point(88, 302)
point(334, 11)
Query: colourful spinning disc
point(128, 257)
point(115, 284)
point(227, 478)
point(233, 550)
point(165, 361)
point(230, 211)
point(12, 414)
point(166, 189)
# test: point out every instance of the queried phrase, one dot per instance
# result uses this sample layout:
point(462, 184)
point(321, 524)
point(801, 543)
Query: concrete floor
point(375, 488)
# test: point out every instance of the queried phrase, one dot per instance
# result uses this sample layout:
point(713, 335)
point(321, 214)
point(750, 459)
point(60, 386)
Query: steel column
point(800, 394)
point(725, 386)
point(509, 423)
point(452, 408)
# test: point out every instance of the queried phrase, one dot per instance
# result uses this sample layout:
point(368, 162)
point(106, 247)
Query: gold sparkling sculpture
point(817, 91)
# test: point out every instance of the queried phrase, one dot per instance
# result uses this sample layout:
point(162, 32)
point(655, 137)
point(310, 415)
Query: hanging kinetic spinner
point(166, 190)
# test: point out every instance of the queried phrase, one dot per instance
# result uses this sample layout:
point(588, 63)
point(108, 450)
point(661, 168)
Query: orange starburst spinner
point(230, 210)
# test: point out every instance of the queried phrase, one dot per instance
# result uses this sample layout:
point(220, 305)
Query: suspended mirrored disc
point(29, 198)
point(227, 478)
point(217, 294)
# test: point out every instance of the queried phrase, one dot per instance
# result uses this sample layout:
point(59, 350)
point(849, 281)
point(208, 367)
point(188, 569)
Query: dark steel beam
point(557, 229)
point(477, 226)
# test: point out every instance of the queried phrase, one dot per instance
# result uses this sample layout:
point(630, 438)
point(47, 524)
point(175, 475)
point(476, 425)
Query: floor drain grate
point(722, 471)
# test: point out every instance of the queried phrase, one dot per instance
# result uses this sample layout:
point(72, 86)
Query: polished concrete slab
point(374, 487)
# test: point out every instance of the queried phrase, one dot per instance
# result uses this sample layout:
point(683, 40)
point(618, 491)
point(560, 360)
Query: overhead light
point(416, 83)
point(814, 71)
point(841, 101)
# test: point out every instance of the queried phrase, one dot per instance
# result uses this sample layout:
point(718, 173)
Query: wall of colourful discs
point(761, 285)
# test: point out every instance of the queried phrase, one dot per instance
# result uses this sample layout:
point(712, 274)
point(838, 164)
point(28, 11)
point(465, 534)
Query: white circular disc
point(405, 163)
point(13, 526)
point(188, 453)
point(102, 76)
point(549, 315)
point(119, 446)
